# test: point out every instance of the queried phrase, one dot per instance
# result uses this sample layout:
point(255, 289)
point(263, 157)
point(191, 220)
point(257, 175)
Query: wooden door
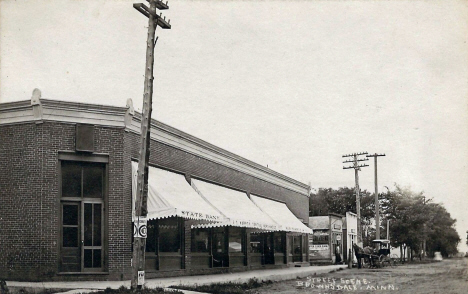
point(70, 260)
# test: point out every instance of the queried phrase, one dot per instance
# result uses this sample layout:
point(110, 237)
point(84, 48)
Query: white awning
point(235, 206)
point(281, 214)
point(169, 194)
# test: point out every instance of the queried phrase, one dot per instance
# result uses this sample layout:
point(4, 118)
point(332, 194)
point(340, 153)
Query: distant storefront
point(68, 177)
point(326, 242)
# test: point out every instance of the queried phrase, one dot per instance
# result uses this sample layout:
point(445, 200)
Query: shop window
point(305, 244)
point(295, 248)
point(235, 239)
point(200, 240)
point(279, 242)
point(256, 243)
point(169, 235)
point(320, 237)
point(151, 236)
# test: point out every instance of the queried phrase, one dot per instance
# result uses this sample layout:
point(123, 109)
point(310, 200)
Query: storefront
point(228, 229)
point(69, 165)
point(326, 242)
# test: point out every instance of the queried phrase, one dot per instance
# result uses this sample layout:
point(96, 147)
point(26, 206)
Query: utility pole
point(357, 167)
point(388, 229)
point(139, 242)
point(377, 213)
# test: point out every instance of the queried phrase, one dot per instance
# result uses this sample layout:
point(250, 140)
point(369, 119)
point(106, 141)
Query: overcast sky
point(289, 84)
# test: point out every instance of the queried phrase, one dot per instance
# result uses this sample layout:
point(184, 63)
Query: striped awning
point(235, 206)
point(169, 194)
point(281, 214)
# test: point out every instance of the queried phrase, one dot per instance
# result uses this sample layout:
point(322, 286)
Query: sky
point(292, 85)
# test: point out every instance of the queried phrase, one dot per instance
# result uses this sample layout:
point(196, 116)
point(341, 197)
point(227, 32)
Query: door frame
point(84, 158)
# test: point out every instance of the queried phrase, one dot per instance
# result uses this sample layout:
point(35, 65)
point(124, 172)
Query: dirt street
point(448, 276)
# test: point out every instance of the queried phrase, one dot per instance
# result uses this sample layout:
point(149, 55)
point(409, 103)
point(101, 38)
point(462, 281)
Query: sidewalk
point(241, 277)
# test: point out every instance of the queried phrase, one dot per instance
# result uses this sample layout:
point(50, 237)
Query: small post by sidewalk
point(350, 258)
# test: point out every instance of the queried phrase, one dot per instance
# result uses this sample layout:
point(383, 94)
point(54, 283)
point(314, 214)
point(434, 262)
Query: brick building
point(66, 199)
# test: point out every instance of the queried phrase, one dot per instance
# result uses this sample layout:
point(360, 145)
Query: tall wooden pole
point(357, 167)
point(377, 210)
point(358, 203)
point(139, 243)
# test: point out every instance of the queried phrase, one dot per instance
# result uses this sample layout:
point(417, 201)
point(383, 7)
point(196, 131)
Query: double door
point(82, 236)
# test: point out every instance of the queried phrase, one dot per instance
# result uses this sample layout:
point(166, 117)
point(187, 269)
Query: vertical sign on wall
point(141, 278)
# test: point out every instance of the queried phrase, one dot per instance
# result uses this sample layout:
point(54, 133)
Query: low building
point(67, 177)
point(326, 242)
point(349, 234)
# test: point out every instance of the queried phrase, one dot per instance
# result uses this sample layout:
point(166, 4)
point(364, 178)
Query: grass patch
point(226, 288)
point(125, 290)
point(22, 290)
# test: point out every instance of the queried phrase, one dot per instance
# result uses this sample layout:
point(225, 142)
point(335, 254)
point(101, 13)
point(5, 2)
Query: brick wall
point(29, 214)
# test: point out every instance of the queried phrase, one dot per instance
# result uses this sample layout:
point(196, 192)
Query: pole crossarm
point(365, 159)
point(375, 155)
point(146, 11)
point(354, 154)
point(160, 5)
point(355, 167)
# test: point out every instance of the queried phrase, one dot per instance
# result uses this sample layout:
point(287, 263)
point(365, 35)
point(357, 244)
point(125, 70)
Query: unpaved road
point(448, 276)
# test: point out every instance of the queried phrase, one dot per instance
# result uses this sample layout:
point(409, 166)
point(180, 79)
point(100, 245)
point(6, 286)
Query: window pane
point(71, 179)
point(200, 239)
point(97, 258)
point(256, 243)
point(92, 180)
point(70, 237)
point(235, 240)
point(151, 236)
point(320, 237)
point(297, 245)
point(305, 244)
point(70, 215)
point(97, 225)
point(169, 235)
point(88, 224)
point(218, 240)
point(88, 258)
point(279, 242)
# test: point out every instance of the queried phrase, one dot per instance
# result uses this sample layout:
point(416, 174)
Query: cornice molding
point(113, 116)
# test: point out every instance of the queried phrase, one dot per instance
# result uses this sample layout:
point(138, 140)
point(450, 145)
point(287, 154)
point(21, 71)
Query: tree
point(413, 219)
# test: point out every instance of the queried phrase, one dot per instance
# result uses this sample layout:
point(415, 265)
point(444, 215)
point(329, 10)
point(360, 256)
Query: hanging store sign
point(140, 228)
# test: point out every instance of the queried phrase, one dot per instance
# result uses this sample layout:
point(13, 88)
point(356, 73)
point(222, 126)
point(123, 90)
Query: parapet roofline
point(106, 115)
